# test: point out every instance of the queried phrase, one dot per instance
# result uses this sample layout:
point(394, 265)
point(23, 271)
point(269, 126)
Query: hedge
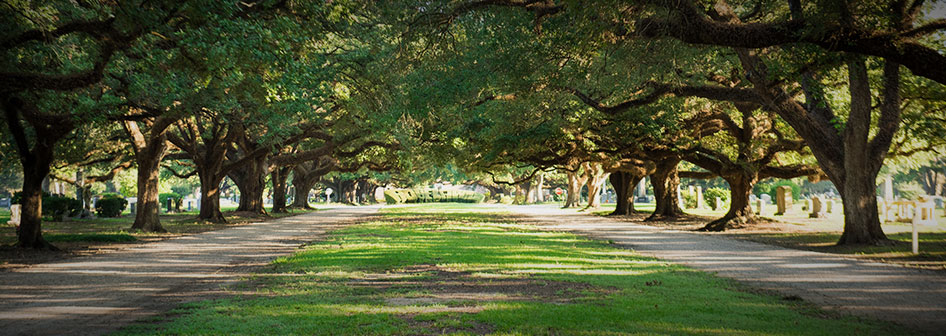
point(399, 196)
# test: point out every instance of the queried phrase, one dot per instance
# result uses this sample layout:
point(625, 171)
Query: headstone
point(783, 199)
point(753, 198)
point(15, 215)
point(679, 198)
point(133, 207)
point(939, 201)
point(5, 202)
point(807, 205)
point(829, 205)
point(760, 207)
point(766, 198)
point(817, 207)
point(888, 189)
point(691, 189)
point(328, 195)
point(719, 204)
point(700, 203)
point(925, 212)
point(642, 188)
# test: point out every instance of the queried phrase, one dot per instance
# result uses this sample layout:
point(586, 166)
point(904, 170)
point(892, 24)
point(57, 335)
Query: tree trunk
point(147, 217)
point(280, 175)
point(596, 178)
point(624, 184)
point(740, 211)
point(573, 194)
point(30, 233)
point(665, 182)
point(250, 180)
point(210, 198)
point(36, 162)
point(303, 181)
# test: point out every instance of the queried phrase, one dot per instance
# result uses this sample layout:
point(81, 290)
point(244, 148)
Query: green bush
point(59, 207)
point(110, 206)
point(711, 194)
point(54, 206)
point(689, 199)
point(399, 196)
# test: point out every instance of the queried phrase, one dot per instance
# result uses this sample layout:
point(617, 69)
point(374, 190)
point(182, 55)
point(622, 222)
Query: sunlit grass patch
point(419, 272)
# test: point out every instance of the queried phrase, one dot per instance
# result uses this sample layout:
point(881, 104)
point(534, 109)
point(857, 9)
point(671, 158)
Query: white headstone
point(767, 198)
point(15, 210)
point(700, 202)
point(888, 189)
point(817, 207)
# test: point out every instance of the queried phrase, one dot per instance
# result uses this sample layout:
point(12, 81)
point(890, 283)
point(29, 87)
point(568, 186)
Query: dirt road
point(100, 293)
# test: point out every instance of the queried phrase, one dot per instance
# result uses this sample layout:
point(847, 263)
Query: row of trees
point(618, 90)
point(243, 90)
point(744, 90)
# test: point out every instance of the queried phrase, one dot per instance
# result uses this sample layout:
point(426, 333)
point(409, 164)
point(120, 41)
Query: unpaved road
point(97, 294)
point(910, 297)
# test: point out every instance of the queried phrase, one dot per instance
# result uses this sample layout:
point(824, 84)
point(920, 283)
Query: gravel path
point(910, 297)
point(100, 293)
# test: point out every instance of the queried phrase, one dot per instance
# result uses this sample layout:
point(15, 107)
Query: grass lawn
point(459, 269)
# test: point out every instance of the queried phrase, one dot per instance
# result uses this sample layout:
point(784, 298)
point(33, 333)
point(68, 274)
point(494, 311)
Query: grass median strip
point(451, 269)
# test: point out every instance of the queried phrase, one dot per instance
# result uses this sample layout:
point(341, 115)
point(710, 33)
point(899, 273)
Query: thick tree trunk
point(624, 184)
point(740, 211)
point(36, 162)
point(30, 233)
point(210, 198)
point(665, 182)
point(147, 217)
point(573, 194)
point(859, 197)
point(280, 175)
point(250, 180)
point(596, 178)
point(303, 185)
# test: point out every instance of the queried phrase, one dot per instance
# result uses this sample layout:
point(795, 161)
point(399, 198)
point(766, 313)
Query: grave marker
point(783, 199)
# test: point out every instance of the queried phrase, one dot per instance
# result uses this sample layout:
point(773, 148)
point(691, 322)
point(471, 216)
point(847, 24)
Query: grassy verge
point(932, 246)
point(444, 269)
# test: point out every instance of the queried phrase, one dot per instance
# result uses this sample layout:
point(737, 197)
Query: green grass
point(457, 269)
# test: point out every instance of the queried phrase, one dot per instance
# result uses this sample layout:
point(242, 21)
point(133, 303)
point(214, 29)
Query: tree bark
point(302, 188)
point(280, 177)
point(573, 194)
point(147, 217)
point(665, 182)
point(250, 180)
point(624, 183)
point(740, 211)
point(30, 233)
point(149, 151)
point(595, 183)
point(210, 198)
point(36, 163)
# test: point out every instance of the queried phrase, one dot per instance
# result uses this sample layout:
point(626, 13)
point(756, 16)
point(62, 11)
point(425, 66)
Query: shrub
point(110, 206)
point(59, 207)
point(398, 196)
point(689, 199)
point(55, 206)
point(711, 194)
